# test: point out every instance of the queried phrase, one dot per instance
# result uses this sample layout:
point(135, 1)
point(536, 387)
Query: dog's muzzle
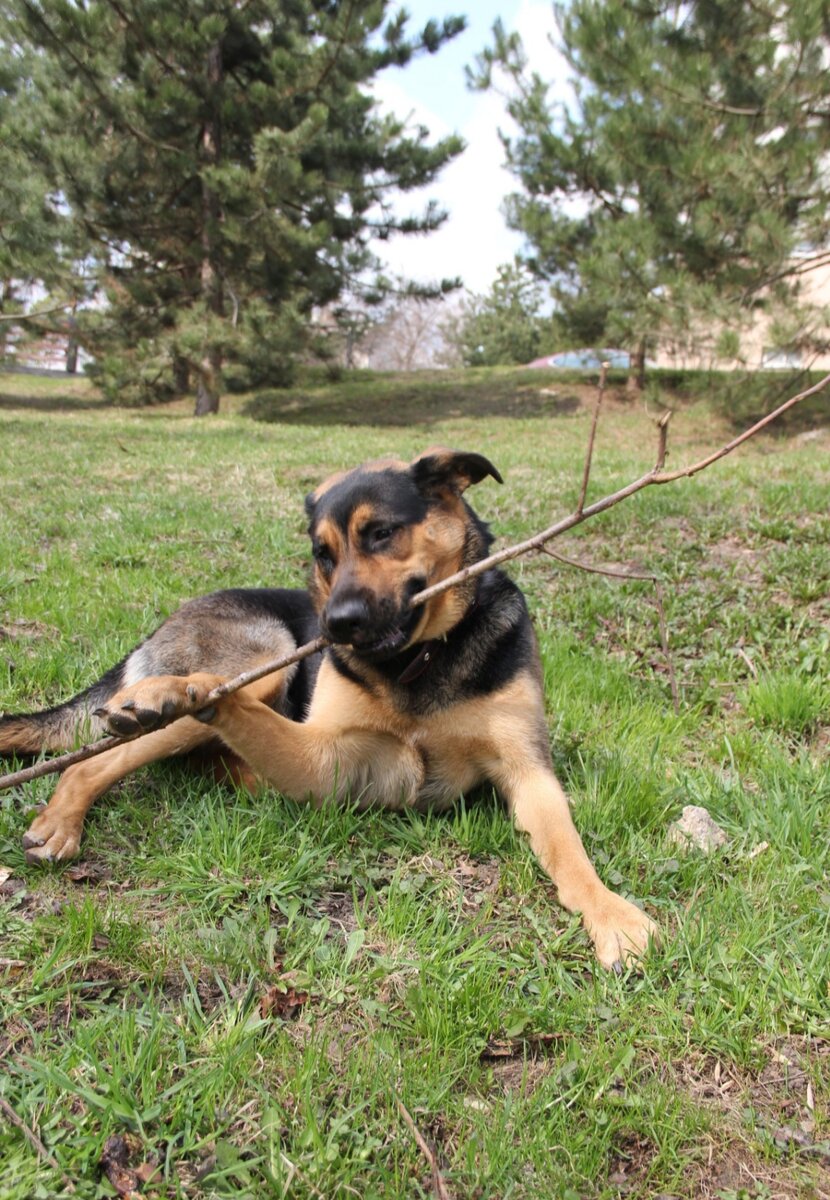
point(350, 621)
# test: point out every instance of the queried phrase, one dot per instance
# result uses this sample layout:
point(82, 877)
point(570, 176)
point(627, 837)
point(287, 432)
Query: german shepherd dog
point(410, 706)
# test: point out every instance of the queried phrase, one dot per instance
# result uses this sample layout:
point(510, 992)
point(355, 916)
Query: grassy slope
point(438, 968)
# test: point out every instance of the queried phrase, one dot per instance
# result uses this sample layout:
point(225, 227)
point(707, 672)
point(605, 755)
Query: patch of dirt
point(473, 879)
point(629, 1166)
point(522, 1076)
point(27, 905)
point(519, 1064)
point(339, 908)
point(780, 1102)
point(820, 743)
point(20, 630)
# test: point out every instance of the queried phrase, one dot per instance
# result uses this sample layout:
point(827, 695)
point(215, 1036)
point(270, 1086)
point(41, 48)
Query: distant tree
point(671, 193)
point(230, 164)
point(30, 221)
point(407, 335)
point(503, 325)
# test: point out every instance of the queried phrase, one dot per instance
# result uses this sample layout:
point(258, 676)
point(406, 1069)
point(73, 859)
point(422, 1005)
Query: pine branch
point(537, 543)
point(16, 318)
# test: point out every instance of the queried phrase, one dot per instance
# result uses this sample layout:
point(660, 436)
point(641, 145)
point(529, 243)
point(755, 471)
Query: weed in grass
point(787, 702)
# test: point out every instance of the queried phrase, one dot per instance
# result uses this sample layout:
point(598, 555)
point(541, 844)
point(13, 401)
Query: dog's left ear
point(439, 469)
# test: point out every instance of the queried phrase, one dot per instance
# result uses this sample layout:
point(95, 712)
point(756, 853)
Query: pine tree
point(501, 326)
point(229, 164)
point(30, 220)
point(670, 195)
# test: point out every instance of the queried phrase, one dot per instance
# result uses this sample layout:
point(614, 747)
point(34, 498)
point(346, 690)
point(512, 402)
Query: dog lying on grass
point(408, 707)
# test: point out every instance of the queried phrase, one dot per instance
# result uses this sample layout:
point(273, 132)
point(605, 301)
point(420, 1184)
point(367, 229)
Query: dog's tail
point(63, 727)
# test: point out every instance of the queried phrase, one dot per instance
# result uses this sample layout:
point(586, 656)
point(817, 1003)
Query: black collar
point(418, 665)
point(425, 655)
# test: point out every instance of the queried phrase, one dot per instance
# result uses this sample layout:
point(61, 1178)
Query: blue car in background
point(584, 360)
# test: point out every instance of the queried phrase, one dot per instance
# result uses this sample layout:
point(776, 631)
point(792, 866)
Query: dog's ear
point(440, 470)
point(310, 504)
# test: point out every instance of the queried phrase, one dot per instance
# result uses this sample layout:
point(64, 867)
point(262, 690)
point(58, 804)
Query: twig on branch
point(589, 453)
point(438, 1184)
point(703, 463)
point(538, 542)
point(33, 1139)
point(661, 612)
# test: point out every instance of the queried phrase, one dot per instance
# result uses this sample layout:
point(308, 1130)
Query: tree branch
point(536, 543)
point(33, 1139)
point(589, 453)
point(16, 318)
point(438, 1185)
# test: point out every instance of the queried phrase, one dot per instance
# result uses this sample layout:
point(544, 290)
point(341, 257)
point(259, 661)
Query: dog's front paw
point(52, 837)
point(157, 701)
point(620, 931)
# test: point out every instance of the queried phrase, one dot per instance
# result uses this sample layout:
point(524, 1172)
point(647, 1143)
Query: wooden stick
point(589, 453)
point(438, 1184)
point(661, 613)
point(34, 1141)
point(52, 766)
point(655, 476)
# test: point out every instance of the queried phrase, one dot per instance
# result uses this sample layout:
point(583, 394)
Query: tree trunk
point(210, 369)
point(71, 356)
point(208, 388)
point(6, 297)
point(637, 370)
point(181, 375)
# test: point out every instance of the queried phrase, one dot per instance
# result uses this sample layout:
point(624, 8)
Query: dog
point(409, 706)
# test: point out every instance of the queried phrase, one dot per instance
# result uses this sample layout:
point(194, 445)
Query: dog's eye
point(382, 534)
point(324, 558)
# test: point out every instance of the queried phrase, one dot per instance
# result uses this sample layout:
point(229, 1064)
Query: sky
point(475, 240)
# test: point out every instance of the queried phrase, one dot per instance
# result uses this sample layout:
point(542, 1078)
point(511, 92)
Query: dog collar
point(424, 656)
point(418, 665)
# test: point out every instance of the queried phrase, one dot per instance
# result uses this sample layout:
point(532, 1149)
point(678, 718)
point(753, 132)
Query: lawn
point(244, 997)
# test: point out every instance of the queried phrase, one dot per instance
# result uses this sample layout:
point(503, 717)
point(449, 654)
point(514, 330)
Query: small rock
point(697, 831)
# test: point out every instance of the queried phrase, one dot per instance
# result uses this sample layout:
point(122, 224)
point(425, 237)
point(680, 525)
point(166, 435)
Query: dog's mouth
point(392, 641)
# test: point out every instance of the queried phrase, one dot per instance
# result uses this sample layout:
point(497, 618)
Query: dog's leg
point(55, 834)
point(619, 930)
point(305, 761)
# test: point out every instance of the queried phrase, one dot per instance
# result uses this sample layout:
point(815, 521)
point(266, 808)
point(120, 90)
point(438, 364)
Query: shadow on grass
point(421, 398)
point(743, 398)
point(55, 402)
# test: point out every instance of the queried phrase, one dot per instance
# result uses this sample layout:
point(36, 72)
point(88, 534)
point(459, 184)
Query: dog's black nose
point(345, 619)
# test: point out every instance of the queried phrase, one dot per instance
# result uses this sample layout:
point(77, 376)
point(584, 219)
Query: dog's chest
point(452, 761)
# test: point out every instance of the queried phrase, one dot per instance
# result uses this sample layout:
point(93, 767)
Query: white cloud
point(475, 239)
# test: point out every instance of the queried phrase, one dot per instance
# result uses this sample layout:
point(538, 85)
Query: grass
point(243, 990)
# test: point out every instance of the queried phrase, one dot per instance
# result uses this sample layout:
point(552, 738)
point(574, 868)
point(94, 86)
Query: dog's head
point(382, 533)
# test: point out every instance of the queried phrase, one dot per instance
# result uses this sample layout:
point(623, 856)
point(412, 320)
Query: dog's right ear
point(441, 470)
point(310, 505)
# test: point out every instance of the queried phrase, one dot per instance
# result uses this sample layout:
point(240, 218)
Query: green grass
point(439, 972)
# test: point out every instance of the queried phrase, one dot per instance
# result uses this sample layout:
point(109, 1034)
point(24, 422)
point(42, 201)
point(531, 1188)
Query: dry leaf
point(115, 1158)
point(86, 872)
point(519, 1046)
point(284, 1003)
